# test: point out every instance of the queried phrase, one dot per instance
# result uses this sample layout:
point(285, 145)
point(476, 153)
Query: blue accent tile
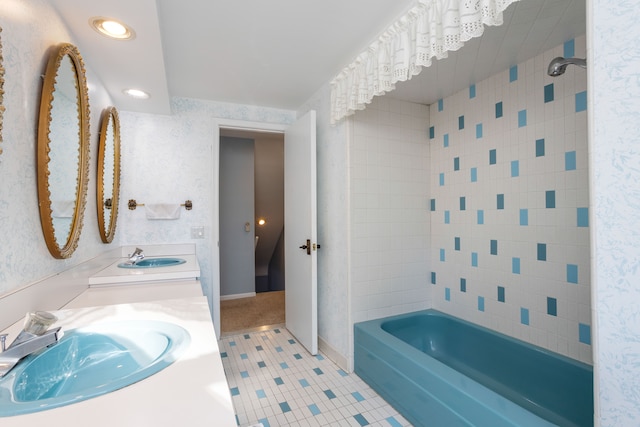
point(515, 168)
point(237, 420)
point(460, 122)
point(552, 306)
point(524, 216)
point(284, 365)
point(261, 364)
point(223, 354)
point(234, 391)
point(550, 199)
point(463, 203)
point(572, 273)
point(357, 396)
point(264, 422)
point(291, 341)
point(493, 156)
point(542, 251)
point(278, 381)
point(393, 422)
point(232, 343)
point(432, 205)
point(342, 373)
point(361, 420)
point(433, 277)
point(247, 336)
point(569, 48)
point(456, 163)
point(442, 255)
point(515, 265)
point(441, 179)
point(318, 371)
point(244, 374)
point(522, 118)
point(456, 243)
point(480, 303)
point(463, 285)
point(329, 394)
point(472, 91)
point(539, 147)
point(284, 406)
point(570, 161)
point(277, 331)
point(479, 131)
point(279, 349)
point(446, 140)
point(524, 316)
point(474, 259)
point(584, 333)
point(501, 294)
point(500, 201)
point(259, 348)
point(583, 217)
point(548, 93)
point(513, 73)
point(474, 174)
point(303, 382)
point(480, 216)
point(432, 132)
point(261, 394)
point(440, 104)
point(313, 408)
point(447, 217)
point(498, 110)
point(447, 294)
point(319, 356)
point(494, 247)
point(297, 356)
point(581, 101)
point(244, 356)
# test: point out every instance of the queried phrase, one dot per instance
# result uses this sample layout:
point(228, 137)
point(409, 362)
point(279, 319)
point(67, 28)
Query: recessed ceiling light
point(112, 28)
point(261, 221)
point(136, 93)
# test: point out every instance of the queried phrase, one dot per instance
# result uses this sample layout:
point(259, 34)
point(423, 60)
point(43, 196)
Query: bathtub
point(438, 370)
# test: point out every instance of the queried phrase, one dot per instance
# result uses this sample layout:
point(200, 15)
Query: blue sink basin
point(153, 263)
point(89, 362)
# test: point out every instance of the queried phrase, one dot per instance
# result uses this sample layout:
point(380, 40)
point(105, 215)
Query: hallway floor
point(266, 308)
point(276, 382)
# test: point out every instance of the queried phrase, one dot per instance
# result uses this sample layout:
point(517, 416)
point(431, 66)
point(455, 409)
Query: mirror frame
point(57, 54)
point(1, 90)
point(107, 231)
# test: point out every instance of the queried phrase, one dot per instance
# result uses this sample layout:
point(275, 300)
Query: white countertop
point(112, 274)
point(192, 391)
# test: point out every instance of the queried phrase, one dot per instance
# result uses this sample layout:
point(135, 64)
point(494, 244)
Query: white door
point(301, 258)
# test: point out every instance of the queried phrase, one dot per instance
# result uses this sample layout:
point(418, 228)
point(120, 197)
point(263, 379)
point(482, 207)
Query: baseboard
point(334, 355)
point(237, 296)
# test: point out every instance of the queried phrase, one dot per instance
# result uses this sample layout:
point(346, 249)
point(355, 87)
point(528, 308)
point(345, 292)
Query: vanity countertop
point(192, 391)
point(112, 274)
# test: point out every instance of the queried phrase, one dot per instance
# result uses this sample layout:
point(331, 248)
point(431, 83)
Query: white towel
point(162, 211)
point(63, 208)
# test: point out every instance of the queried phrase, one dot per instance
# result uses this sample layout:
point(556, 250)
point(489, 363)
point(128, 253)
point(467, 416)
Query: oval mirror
point(108, 188)
point(63, 150)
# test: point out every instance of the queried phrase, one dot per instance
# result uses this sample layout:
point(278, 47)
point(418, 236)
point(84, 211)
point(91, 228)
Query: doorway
point(251, 229)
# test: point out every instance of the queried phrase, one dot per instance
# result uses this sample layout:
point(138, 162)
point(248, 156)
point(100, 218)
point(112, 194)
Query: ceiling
point(278, 53)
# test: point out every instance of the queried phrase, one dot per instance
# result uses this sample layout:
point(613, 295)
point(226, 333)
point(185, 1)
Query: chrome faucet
point(136, 256)
point(33, 337)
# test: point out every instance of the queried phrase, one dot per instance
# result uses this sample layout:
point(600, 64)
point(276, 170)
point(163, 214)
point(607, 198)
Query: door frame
point(215, 200)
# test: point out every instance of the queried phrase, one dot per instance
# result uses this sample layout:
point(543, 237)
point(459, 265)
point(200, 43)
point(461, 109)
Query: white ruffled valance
point(431, 28)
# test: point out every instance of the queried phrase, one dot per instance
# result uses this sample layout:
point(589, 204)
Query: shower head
point(558, 65)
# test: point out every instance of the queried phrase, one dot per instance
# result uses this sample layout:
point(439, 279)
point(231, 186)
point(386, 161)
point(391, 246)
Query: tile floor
point(274, 381)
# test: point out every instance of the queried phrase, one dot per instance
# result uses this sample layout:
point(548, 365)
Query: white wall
point(29, 29)
point(614, 102)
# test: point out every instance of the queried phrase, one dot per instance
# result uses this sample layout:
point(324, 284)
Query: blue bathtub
point(438, 370)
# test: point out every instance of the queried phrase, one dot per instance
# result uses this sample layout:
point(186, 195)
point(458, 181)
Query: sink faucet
point(33, 337)
point(136, 256)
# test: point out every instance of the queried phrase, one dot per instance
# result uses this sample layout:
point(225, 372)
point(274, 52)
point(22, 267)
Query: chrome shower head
point(558, 65)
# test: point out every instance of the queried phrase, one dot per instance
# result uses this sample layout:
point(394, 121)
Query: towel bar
point(188, 204)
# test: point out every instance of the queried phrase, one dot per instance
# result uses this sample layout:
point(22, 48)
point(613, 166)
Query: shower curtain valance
point(430, 28)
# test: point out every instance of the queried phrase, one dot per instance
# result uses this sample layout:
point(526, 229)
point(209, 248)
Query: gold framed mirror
point(108, 187)
point(63, 150)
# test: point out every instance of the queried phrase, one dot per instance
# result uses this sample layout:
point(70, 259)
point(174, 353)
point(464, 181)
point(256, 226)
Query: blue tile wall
point(520, 204)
